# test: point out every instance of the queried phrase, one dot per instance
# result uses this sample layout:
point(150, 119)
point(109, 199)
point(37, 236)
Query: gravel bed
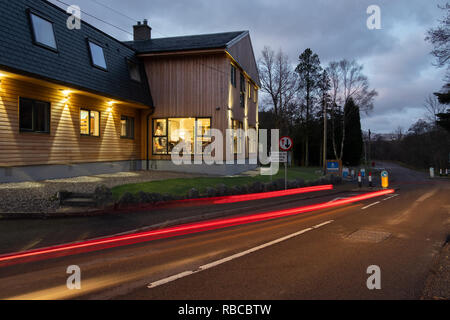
point(25, 197)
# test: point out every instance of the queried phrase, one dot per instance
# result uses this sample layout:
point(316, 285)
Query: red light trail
point(123, 240)
point(253, 196)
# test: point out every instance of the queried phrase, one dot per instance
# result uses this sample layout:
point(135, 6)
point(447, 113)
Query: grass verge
point(182, 186)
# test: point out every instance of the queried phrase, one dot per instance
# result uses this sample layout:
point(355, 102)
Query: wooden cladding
point(64, 144)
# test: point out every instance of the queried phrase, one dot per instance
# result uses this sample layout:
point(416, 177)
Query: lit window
point(181, 130)
point(249, 90)
point(203, 135)
point(168, 133)
point(34, 116)
point(135, 73)
point(127, 127)
point(43, 31)
point(90, 123)
point(160, 136)
point(97, 56)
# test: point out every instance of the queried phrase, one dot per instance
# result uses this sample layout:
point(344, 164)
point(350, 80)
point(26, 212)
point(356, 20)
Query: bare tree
point(348, 82)
point(433, 107)
point(278, 80)
point(439, 37)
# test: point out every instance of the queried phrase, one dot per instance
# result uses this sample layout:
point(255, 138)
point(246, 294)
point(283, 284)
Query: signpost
point(286, 145)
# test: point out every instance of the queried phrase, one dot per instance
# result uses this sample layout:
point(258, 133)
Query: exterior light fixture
point(66, 93)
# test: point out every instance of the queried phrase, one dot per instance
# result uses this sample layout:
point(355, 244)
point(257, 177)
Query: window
point(168, 133)
point(135, 73)
point(238, 138)
point(43, 33)
point(203, 135)
point(34, 116)
point(97, 56)
point(249, 90)
point(255, 95)
point(127, 127)
point(242, 85)
point(160, 136)
point(233, 76)
point(90, 123)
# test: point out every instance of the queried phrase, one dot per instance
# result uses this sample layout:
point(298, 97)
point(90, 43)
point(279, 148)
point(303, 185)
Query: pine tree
point(353, 146)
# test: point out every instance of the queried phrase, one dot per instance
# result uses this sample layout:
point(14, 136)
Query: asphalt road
point(318, 255)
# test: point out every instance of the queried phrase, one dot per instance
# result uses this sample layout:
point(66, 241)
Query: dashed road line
point(393, 196)
point(370, 205)
point(233, 257)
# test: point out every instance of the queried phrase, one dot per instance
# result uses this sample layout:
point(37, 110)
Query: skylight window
point(43, 31)
point(135, 73)
point(97, 56)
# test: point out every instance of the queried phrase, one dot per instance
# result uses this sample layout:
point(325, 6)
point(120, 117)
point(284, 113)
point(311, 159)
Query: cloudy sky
point(396, 57)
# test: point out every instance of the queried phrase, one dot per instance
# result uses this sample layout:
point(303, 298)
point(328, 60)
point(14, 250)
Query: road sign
point(333, 166)
point(286, 143)
point(280, 157)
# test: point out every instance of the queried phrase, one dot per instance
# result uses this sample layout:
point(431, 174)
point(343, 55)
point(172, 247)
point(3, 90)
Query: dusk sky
point(396, 58)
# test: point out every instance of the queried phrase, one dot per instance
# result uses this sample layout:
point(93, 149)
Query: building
point(79, 102)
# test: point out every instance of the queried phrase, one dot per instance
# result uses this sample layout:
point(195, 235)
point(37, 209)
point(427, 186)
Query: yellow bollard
point(385, 179)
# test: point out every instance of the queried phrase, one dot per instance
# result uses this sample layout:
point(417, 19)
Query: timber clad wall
point(64, 144)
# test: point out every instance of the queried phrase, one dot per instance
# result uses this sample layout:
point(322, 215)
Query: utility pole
point(370, 160)
point(325, 120)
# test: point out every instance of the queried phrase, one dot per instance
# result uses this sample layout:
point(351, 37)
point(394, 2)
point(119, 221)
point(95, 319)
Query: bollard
point(359, 179)
point(384, 179)
point(370, 180)
point(440, 172)
point(431, 172)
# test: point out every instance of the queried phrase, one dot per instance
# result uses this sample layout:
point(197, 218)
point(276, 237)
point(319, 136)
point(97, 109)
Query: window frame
point(89, 122)
point(166, 119)
point(127, 118)
point(32, 12)
point(98, 44)
point(243, 85)
point(33, 120)
point(233, 75)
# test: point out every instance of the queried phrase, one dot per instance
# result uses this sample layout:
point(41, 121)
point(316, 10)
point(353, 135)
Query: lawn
point(182, 186)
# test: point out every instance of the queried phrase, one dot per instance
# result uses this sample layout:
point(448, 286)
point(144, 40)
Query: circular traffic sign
point(384, 174)
point(286, 143)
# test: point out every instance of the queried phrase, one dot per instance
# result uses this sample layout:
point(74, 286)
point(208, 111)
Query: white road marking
point(233, 257)
point(395, 195)
point(370, 205)
point(336, 199)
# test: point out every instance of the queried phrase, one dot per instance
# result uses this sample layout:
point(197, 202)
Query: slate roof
point(185, 43)
point(71, 64)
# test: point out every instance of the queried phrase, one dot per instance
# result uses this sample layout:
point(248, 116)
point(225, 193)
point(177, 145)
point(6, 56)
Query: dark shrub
point(156, 197)
point(280, 184)
point(211, 192)
point(193, 194)
point(300, 183)
point(221, 190)
point(144, 197)
point(127, 198)
point(103, 195)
